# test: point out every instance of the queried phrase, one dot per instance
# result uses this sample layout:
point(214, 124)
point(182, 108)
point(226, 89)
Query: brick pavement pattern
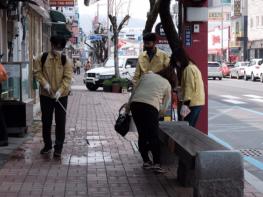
point(96, 162)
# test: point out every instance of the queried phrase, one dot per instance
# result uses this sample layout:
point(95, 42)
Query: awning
point(57, 16)
point(41, 11)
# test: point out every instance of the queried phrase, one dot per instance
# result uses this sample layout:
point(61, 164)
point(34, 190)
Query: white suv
point(253, 69)
point(94, 78)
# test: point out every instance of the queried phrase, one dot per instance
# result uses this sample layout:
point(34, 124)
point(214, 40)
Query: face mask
point(58, 51)
point(149, 49)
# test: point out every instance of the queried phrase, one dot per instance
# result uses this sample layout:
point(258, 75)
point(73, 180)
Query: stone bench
point(207, 166)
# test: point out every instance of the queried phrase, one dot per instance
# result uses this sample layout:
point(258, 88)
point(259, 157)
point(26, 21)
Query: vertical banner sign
point(187, 36)
point(237, 8)
point(58, 3)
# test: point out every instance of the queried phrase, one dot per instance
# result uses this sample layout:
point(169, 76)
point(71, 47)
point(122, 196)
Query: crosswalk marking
point(253, 96)
point(257, 100)
point(233, 101)
point(230, 97)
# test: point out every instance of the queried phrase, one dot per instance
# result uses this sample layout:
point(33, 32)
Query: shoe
point(157, 168)
point(147, 165)
point(45, 150)
point(57, 153)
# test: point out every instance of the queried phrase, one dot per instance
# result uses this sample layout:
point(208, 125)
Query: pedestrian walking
point(192, 87)
point(78, 65)
point(149, 100)
point(151, 59)
point(87, 66)
point(53, 70)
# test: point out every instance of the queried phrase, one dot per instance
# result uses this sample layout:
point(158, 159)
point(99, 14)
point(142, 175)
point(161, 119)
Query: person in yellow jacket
point(151, 59)
point(54, 73)
point(192, 87)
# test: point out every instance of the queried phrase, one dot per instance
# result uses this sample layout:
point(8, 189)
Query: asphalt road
point(235, 119)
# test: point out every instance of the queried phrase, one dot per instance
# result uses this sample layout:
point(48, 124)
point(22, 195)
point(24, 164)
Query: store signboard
point(187, 36)
point(215, 16)
point(237, 8)
point(61, 3)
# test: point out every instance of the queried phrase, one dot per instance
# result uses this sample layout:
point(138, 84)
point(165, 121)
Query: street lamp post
point(222, 30)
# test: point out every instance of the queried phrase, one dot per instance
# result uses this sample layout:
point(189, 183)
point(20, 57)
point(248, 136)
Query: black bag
point(122, 123)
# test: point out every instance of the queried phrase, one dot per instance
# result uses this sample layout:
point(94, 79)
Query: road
point(235, 111)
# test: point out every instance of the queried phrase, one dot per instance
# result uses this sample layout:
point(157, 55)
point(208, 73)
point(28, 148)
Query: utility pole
point(222, 30)
point(245, 38)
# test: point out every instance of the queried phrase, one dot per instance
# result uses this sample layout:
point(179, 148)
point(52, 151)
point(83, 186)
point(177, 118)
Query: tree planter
point(107, 88)
point(116, 87)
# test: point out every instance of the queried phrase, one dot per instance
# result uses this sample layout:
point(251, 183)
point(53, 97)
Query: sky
point(138, 11)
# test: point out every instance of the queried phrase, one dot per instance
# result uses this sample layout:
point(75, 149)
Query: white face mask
point(58, 51)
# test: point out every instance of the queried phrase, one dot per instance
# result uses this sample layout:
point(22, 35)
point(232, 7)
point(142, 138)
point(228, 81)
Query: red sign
point(62, 3)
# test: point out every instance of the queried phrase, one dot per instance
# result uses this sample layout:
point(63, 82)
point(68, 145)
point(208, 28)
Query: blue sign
point(187, 36)
point(95, 37)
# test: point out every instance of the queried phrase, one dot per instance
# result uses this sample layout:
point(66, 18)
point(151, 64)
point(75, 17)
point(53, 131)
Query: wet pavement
point(96, 162)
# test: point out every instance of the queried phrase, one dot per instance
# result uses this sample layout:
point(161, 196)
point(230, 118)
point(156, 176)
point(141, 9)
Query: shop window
point(18, 84)
point(257, 21)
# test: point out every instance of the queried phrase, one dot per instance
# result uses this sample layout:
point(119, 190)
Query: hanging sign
point(61, 3)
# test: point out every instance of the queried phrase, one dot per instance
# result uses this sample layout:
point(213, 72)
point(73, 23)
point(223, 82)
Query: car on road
point(252, 71)
point(225, 68)
point(214, 70)
point(238, 70)
point(95, 77)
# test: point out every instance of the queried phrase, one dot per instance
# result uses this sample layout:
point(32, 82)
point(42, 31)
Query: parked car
point(238, 70)
point(214, 70)
point(95, 77)
point(225, 68)
point(252, 71)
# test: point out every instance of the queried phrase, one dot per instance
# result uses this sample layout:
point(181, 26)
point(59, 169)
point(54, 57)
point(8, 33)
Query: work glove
point(184, 111)
point(57, 95)
point(47, 87)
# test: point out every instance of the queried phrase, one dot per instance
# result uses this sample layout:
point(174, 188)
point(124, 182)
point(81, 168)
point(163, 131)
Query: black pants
point(78, 70)
point(146, 119)
point(48, 105)
point(192, 117)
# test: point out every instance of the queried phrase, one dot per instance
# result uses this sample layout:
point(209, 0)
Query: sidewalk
point(96, 162)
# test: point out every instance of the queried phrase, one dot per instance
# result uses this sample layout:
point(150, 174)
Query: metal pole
point(222, 31)
point(108, 28)
point(244, 13)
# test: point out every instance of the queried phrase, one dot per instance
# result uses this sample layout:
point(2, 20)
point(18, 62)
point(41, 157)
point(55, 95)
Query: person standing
point(78, 65)
point(192, 88)
point(151, 59)
point(150, 99)
point(54, 75)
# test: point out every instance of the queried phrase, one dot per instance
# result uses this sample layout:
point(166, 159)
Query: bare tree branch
point(122, 22)
point(152, 16)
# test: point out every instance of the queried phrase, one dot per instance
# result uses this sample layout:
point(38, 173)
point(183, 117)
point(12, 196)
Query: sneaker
point(147, 165)
point(157, 168)
point(45, 150)
point(57, 153)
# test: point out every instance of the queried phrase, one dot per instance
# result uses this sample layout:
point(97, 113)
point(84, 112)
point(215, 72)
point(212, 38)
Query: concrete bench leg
point(185, 174)
point(219, 174)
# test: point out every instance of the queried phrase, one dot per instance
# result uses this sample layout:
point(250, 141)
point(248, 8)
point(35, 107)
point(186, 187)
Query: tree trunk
point(169, 29)
point(152, 16)
point(116, 57)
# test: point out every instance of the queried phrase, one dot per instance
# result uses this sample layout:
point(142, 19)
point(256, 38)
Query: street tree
point(151, 15)
point(116, 30)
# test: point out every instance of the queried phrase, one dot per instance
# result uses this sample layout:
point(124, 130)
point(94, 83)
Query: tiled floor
point(96, 162)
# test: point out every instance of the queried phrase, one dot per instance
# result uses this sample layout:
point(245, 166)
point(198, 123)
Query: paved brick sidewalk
point(95, 162)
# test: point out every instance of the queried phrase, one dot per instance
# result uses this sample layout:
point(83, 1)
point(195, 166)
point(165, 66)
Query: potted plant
point(116, 84)
point(107, 85)
point(124, 85)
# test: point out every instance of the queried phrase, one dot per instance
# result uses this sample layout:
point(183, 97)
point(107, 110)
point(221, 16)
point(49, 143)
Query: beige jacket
point(154, 90)
point(159, 61)
point(192, 86)
point(53, 72)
